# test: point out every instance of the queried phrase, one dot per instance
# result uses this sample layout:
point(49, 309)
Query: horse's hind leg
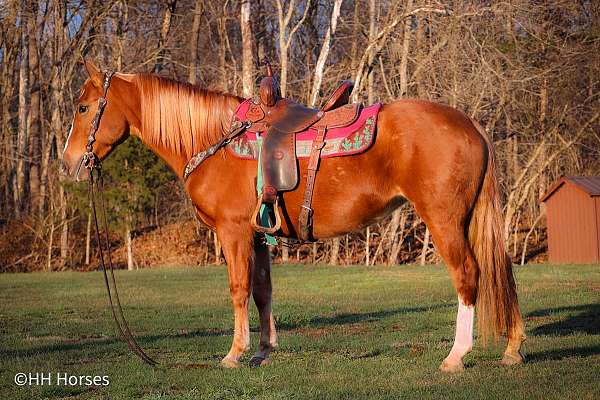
point(455, 250)
point(262, 292)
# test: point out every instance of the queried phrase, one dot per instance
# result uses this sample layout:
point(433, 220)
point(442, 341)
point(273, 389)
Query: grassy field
point(355, 332)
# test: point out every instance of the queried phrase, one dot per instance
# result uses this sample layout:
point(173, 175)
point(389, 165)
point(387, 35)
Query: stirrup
point(256, 222)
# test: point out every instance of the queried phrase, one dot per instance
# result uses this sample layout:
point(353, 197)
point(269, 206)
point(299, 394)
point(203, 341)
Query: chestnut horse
point(434, 156)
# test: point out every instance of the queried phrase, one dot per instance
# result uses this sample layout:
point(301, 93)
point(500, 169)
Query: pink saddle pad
point(352, 139)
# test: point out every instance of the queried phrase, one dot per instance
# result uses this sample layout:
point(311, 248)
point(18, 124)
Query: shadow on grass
point(145, 340)
point(581, 318)
point(563, 353)
point(353, 318)
point(105, 343)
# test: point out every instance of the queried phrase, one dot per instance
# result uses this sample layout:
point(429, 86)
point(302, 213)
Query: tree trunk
point(194, 42)
point(283, 63)
point(247, 54)
point(285, 251)
point(394, 223)
point(367, 246)
point(355, 36)
point(286, 39)
point(372, 33)
point(404, 56)
point(223, 54)
point(122, 20)
point(23, 140)
point(50, 244)
point(397, 243)
point(64, 232)
point(34, 124)
point(128, 244)
point(7, 169)
point(164, 33)
point(324, 53)
point(217, 246)
point(425, 250)
point(335, 251)
point(56, 123)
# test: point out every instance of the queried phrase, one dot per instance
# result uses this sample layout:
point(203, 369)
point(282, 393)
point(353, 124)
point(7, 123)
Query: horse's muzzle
point(79, 173)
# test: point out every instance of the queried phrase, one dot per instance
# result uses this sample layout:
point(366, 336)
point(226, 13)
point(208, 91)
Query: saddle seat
point(279, 119)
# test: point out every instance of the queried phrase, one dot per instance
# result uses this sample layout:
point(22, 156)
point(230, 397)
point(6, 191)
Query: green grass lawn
point(354, 332)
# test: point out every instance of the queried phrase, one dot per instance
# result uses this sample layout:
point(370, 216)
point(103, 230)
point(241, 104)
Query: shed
point(573, 213)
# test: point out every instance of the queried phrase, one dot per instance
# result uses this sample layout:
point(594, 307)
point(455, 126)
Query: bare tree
point(194, 42)
point(22, 152)
point(319, 68)
point(247, 54)
point(164, 34)
point(285, 36)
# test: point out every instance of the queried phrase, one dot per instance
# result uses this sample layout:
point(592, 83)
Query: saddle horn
point(269, 91)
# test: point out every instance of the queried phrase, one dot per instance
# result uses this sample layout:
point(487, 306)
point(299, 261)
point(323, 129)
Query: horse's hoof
point(452, 368)
point(230, 363)
point(513, 359)
point(258, 361)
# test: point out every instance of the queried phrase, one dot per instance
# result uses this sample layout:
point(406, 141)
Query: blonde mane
point(182, 117)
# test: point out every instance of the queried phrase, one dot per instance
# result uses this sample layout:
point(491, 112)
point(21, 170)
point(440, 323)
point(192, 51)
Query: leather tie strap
point(237, 127)
point(306, 213)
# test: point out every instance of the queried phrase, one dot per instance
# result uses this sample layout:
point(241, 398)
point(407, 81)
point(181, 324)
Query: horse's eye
point(82, 109)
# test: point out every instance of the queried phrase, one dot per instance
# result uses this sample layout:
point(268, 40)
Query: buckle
point(90, 161)
point(310, 210)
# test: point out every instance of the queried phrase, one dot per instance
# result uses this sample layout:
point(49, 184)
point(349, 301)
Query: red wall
point(573, 225)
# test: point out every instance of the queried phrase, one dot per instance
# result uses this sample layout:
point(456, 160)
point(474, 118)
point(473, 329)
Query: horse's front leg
point(237, 248)
point(262, 290)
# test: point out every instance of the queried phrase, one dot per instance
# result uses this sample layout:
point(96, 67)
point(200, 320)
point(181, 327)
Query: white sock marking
point(463, 341)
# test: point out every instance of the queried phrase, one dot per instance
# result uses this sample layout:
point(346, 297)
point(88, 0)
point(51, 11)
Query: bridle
point(92, 163)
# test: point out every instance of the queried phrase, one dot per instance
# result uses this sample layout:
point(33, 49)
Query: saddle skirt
point(353, 139)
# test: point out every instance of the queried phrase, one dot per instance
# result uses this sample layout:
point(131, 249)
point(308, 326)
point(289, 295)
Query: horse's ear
point(94, 73)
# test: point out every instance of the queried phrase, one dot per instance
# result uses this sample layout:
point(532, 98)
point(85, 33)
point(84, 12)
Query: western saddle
point(281, 119)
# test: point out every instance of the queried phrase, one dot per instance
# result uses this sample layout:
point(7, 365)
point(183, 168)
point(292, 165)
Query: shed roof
point(588, 184)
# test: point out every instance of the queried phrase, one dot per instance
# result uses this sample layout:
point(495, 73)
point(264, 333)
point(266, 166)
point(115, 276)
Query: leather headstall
point(90, 160)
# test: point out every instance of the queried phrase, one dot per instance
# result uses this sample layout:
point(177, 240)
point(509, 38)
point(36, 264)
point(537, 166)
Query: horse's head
point(114, 125)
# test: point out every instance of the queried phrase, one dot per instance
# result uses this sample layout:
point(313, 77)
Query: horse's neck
point(175, 158)
point(175, 161)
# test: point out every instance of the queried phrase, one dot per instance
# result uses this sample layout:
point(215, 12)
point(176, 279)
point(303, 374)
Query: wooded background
point(529, 71)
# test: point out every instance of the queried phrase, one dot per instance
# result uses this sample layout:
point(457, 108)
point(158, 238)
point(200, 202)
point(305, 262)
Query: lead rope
point(115, 306)
point(91, 163)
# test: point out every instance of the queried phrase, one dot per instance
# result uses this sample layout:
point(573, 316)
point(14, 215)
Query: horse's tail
point(497, 303)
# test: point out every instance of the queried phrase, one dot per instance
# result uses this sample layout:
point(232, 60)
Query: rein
point(92, 162)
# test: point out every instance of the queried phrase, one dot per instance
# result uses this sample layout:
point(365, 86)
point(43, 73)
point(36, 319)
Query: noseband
point(92, 162)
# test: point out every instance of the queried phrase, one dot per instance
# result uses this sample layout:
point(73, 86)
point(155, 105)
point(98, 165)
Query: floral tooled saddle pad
point(349, 140)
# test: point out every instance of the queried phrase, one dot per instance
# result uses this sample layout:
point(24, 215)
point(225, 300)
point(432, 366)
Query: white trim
point(68, 136)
